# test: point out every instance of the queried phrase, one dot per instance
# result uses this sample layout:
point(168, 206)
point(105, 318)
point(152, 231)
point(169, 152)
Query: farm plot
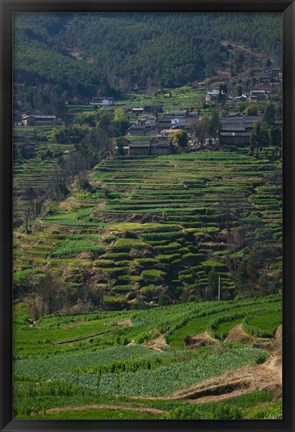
point(119, 369)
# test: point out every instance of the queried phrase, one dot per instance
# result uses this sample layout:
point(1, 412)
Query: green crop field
point(104, 359)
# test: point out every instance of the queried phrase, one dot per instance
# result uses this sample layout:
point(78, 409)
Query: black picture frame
point(8, 8)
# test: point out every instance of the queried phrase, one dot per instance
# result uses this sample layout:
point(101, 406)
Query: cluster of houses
point(263, 88)
point(236, 130)
point(254, 95)
point(272, 76)
point(164, 126)
point(157, 128)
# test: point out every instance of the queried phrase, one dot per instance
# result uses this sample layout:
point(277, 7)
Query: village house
point(178, 113)
point(191, 120)
point(178, 121)
point(38, 120)
point(265, 78)
point(235, 138)
point(277, 74)
point(137, 110)
point(150, 128)
point(213, 95)
point(236, 130)
point(137, 130)
point(258, 95)
point(122, 146)
point(102, 101)
point(147, 119)
point(168, 133)
point(164, 122)
point(140, 148)
point(161, 147)
point(172, 119)
point(143, 148)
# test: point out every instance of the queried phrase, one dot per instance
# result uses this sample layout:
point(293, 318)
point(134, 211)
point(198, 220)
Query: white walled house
point(103, 101)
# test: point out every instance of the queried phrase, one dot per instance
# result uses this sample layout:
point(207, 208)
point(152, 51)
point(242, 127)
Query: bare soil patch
point(158, 344)
point(237, 334)
point(126, 323)
point(267, 376)
point(57, 410)
point(202, 339)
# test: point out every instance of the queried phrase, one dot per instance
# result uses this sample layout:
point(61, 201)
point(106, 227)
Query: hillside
point(147, 222)
point(80, 54)
point(160, 230)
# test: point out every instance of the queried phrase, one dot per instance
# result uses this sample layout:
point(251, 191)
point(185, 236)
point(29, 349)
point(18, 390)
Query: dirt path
point(153, 411)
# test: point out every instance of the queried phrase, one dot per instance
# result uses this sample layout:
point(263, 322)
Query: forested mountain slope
point(87, 54)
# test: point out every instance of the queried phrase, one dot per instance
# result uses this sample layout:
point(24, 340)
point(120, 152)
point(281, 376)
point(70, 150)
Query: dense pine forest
point(110, 53)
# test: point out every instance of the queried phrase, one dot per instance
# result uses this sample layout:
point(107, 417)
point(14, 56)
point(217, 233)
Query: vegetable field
point(96, 358)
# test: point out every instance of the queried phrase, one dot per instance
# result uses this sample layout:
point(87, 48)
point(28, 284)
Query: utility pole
point(218, 288)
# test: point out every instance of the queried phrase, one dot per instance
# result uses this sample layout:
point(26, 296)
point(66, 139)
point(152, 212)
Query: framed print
point(147, 215)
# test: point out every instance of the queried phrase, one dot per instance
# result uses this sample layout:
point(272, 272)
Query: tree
point(214, 125)
point(277, 180)
point(269, 114)
point(181, 138)
point(231, 209)
point(120, 114)
point(47, 290)
point(259, 137)
point(212, 288)
point(252, 110)
point(231, 65)
point(222, 93)
point(275, 137)
point(201, 127)
point(239, 89)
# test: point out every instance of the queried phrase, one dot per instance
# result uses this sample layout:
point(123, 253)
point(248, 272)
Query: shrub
point(153, 276)
point(184, 413)
point(150, 292)
point(125, 244)
point(227, 412)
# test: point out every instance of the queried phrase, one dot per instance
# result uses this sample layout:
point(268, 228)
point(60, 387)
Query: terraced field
point(38, 172)
point(155, 227)
point(138, 364)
